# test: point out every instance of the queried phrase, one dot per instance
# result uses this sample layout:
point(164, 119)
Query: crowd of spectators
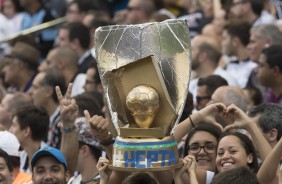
point(55, 126)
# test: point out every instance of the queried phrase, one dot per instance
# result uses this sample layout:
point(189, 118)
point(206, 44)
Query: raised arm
point(68, 114)
point(207, 114)
point(242, 121)
point(266, 172)
point(100, 129)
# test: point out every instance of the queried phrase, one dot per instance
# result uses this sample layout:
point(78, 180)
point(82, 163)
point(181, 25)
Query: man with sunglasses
point(206, 87)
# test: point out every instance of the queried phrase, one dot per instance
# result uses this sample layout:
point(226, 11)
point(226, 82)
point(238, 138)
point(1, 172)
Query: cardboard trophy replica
point(145, 72)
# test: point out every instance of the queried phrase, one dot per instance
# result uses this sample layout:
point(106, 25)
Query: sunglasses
point(200, 98)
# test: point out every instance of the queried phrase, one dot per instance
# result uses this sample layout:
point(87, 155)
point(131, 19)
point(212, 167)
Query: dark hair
point(188, 107)
point(53, 77)
point(257, 6)
point(36, 119)
point(206, 127)
point(139, 178)
point(255, 94)
point(17, 6)
point(96, 152)
point(273, 56)
point(241, 174)
point(239, 28)
point(15, 161)
point(248, 146)
point(212, 82)
point(270, 116)
point(87, 102)
point(98, 23)
point(83, 5)
point(96, 77)
point(79, 31)
point(5, 156)
point(211, 52)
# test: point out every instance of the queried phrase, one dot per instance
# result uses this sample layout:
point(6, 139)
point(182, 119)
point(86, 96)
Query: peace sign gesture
point(68, 107)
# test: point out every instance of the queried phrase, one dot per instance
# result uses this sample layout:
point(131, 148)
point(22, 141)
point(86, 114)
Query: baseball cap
point(84, 133)
point(49, 151)
point(9, 143)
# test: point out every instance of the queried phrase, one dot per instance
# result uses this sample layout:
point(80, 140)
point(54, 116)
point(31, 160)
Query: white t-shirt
point(210, 176)
point(241, 71)
point(78, 84)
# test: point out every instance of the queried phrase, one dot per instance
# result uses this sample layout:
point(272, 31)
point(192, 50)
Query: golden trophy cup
point(145, 72)
point(143, 103)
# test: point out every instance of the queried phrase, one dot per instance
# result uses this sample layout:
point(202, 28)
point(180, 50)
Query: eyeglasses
point(200, 98)
point(208, 148)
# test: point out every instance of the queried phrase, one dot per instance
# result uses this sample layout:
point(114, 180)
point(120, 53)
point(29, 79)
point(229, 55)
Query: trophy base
point(146, 154)
point(176, 166)
point(142, 132)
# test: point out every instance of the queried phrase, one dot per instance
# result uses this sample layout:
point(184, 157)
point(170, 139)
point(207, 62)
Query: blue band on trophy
point(144, 145)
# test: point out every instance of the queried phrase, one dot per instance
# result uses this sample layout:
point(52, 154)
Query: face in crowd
point(6, 176)
point(234, 151)
point(48, 170)
point(201, 142)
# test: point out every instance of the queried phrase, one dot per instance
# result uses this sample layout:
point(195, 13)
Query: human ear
point(67, 176)
point(272, 135)
point(250, 158)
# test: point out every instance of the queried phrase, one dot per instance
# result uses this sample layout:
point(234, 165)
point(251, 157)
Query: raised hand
point(189, 168)
point(206, 114)
point(241, 119)
point(209, 113)
point(68, 107)
point(99, 127)
point(103, 169)
point(212, 110)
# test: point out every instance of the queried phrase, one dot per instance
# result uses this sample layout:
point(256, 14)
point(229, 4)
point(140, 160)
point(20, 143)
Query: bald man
point(65, 59)
point(229, 95)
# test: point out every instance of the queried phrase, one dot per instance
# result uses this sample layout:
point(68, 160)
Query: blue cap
point(49, 151)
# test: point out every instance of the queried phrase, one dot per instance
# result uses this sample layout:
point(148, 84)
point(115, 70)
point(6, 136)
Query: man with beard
point(269, 74)
point(235, 38)
point(205, 57)
point(49, 166)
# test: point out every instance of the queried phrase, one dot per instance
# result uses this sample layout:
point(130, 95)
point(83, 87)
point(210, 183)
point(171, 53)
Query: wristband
point(107, 142)
point(69, 129)
point(191, 122)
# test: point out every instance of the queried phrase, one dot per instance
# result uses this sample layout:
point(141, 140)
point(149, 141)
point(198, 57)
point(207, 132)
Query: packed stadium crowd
point(55, 122)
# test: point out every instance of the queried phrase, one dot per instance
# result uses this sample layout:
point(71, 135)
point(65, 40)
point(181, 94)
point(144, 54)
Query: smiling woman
point(236, 149)
point(201, 142)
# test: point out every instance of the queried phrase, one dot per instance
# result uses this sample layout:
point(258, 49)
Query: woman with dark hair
point(236, 149)
point(201, 142)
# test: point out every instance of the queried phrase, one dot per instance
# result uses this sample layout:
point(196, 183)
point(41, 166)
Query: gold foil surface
point(119, 45)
